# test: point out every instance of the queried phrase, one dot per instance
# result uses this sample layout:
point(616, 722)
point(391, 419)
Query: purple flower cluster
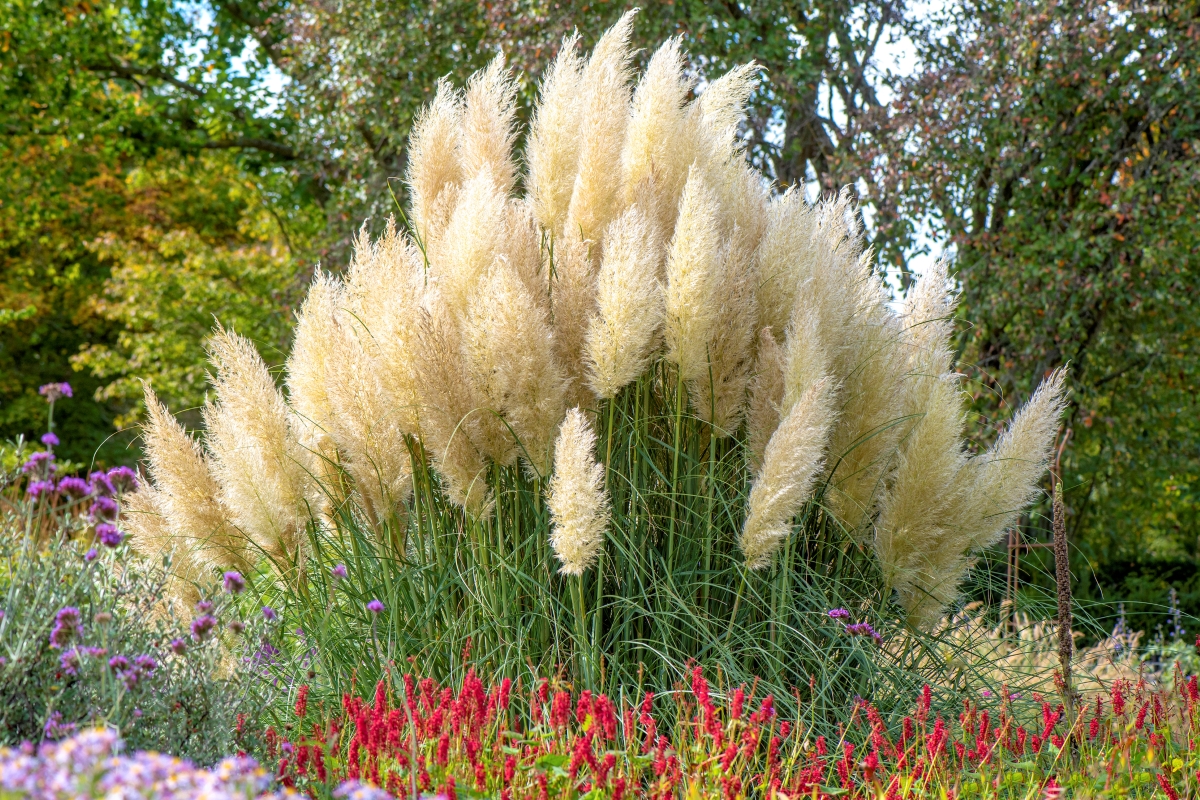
point(68, 623)
point(838, 613)
point(39, 488)
point(132, 674)
point(74, 487)
point(108, 534)
point(202, 626)
point(49, 439)
point(41, 462)
point(89, 764)
point(71, 660)
point(103, 509)
point(54, 391)
point(375, 607)
point(234, 582)
point(864, 629)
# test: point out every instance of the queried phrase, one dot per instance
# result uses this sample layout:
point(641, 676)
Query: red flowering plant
point(418, 737)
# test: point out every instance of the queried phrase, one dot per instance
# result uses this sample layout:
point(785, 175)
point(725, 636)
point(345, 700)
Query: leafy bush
point(91, 634)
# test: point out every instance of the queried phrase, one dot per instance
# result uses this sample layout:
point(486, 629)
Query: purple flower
point(864, 629)
point(108, 534)
point(339, 571)
point(234, 582)
point(101, 485)
point(91, 555)
point(43, 460)
point(179, 646)
point(68, 623)
point(38, 488)
point(236, 627)
point(204, 606)
point(202, 626)
point(838, 613)
point(145, 664)
point(55, 729)
point(123, 479)
point(103, 508)
point(269, 614)
point(49, 439)
point(118, 663)
point(94, 652)
point(68, 662)
point(75, 487)
point(375, 607)
point(53, 391)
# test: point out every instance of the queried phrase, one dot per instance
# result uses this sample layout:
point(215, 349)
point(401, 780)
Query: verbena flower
point(103, 508)
point(269, 614)
point(49, 439)
point(375, 606)
point(39, 488)
point(204, 606)
point(73, 486)
point(339, 571)
point(41, 461)
point(68, 623)
point(202, 626)
point(838, 613)
point(69, 661)
point(101, 485)
point(123, 479)
point(54, 391)
point(108, 534)
point(56, 729)
point(864, 629)
point(178, 646)
point(234, 582)
point(91, 555)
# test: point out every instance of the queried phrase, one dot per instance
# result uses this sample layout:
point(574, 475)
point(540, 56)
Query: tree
point(1054, 144)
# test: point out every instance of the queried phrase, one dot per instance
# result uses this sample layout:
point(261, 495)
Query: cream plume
point(579, 506)
point(785, 258)
point(150, 536)
point(508, 347)
point(629, 307)
point(256, 457)
point(434, 170)
point(658, 150)
point(187, 494)
point(693, 281)
point(473, 239)
point(604, 108)
point(313, 347)
point(552, 152)
point(791, 465)
point(487, 125)
point(766, 397)
point(573, 299)
point(449, 421)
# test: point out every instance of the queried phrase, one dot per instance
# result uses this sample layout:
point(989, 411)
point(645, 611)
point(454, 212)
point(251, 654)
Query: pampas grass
point(758, 433)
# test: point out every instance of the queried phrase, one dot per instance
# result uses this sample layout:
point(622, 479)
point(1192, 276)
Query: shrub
point(646, 413)
point(88, 636)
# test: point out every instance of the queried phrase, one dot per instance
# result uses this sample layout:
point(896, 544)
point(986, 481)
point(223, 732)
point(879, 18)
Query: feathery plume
point(186, 492)
point(629, 306)
point(573, 300)
point(522, 246)
point(604, 105)
point(929, 322)
point(791, 465)
point(308, 363)
point(256, 457)
point(579, 506)
point(487, 125)
point(434, 170)
point(473, 239)
point(508, 348)
point(449, 424)
point(766, 397)
point(553, 149)
point(658, 150)
point(150, 536)
point(785, 258)
point(693, 281)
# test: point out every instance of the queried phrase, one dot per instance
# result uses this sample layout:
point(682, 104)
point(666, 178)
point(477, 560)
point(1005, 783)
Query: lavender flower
point(103, 508)
point(234, 582)
point(75, 487)
point(202, 626)
point(49, 439)
point(68, 623)
point(101, 485)
point(54, 391)
point(108, 534)
point(838, 613)
point(339, 571)
point(69, 662)
point(41, 461)
point(123, 479)
point(268, 614)
point(38, 488)
point(178, 646)
point(375, 607)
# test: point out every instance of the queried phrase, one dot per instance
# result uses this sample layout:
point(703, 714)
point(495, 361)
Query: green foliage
point(1054, 144)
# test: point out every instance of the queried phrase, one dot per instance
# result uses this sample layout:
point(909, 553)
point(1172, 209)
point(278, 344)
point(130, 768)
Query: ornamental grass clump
point(605, 402)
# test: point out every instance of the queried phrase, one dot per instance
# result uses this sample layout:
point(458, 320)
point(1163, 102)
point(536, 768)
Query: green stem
point(679, 403)
point(582, 648)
